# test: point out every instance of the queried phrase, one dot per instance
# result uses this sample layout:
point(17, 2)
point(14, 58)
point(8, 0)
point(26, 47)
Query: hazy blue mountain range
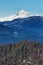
point(30, 28)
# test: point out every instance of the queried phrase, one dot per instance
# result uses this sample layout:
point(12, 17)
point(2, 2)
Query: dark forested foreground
point(23, 53)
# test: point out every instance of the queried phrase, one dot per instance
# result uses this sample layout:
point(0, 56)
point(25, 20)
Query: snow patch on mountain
point(21, 14)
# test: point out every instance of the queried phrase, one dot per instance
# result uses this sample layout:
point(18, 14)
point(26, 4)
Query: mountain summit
point(21, 14)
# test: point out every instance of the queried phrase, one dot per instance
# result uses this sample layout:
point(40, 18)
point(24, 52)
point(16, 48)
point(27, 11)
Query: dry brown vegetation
point(23, 53)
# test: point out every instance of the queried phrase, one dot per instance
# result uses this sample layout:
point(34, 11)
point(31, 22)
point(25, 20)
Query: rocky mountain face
point(22, 53)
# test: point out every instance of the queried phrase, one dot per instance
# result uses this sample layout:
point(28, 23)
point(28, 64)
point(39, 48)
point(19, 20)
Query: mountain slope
point(6, 34)
point(30, 28)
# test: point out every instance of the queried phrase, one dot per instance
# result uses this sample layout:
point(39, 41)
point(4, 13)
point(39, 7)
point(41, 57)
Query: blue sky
point(9, 7)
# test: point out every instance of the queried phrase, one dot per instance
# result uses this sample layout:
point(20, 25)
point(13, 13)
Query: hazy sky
point(9, 7)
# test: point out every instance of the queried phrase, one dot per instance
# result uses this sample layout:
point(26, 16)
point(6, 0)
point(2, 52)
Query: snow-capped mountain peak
point(21, 14)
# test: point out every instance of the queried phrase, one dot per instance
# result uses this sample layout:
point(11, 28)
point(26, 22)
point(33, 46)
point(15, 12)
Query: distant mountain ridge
point(30, 28)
